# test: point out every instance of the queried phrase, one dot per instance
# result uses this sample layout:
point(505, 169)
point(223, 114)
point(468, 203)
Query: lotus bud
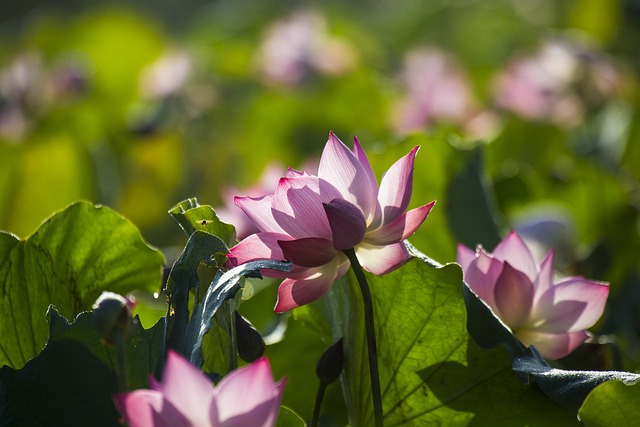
point(112, 317)
point(250, 343)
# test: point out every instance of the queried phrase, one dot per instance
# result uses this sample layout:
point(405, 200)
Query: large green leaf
point(612, 404)
point(432, 373)
point(72, 381)
point(74, 256)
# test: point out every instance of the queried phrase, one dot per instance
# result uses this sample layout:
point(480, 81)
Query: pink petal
point(263, 415)
point(517, 253)
point(293, 173)
point(187, 389)
point(481, 276)
point(395, 188)
point(401, 228)
point(258, 209)
point(138, 406)
point(465, 257)
point(297, 206)
point(382, 259)
point(309, 252)
point(261, 246)
point(544, 281)
point(340, 167)
point(553, 346)
point(347, 223)
point(248, 396)
point(513, 294)
point(257, 246)
point(375, 210)
point(308, 287)
point(571, 305)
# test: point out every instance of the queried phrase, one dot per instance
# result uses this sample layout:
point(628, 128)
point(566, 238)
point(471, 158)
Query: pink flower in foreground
point(552, 316)
point(186, 398)
point(310, 220)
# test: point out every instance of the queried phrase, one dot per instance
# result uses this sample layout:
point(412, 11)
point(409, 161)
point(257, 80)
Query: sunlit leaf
point(192, 216)
point(74, 256)
point(612, 404)
point(431, 370)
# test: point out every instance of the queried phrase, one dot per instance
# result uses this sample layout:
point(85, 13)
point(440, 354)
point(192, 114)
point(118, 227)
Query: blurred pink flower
point(310, 220)
point(538, 88)
point(552, 316)
point(436, 91)
point(555, 83)
point(167, 75)
point(294, 45)
point(186, 398)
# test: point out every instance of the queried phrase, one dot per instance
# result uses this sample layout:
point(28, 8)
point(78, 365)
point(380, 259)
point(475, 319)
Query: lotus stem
point(370, 336)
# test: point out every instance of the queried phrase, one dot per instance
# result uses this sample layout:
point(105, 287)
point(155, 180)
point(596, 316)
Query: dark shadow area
point(80, 388)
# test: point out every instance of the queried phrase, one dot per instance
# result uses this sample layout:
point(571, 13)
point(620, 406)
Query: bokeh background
point(140, 105)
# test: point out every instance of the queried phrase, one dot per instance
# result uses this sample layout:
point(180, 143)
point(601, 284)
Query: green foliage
point(74, 378)
point(207, 335)
point(612, 404)
point(288, 418)
point(431, 370)
point(74, 256)
point(104, 136)
point(192, 216)
point(222, 288)
point(568, 387)
point(470, 205)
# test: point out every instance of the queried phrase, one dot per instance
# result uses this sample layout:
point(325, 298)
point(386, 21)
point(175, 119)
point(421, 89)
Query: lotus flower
point(186, 398)
point(310, 220)
point(552, 316)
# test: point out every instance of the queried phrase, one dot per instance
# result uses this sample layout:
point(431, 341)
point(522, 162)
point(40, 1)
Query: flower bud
point(250, 343)
point(112, 317)
point(330, 363)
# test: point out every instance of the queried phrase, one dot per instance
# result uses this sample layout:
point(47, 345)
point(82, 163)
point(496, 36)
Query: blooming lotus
point(311, 220)
point(186, 398)
point(553, 316)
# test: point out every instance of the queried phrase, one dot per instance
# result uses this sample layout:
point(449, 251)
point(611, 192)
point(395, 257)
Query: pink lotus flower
point(186, 398)
point(552, 316)
point(310, 220)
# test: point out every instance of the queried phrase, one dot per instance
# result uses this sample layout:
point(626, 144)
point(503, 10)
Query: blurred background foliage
point(141, 105)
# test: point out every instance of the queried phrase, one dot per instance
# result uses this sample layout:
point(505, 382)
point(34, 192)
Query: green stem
point(370, 336)
point(318, 405)
point(231, 318)
point(121, 355)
